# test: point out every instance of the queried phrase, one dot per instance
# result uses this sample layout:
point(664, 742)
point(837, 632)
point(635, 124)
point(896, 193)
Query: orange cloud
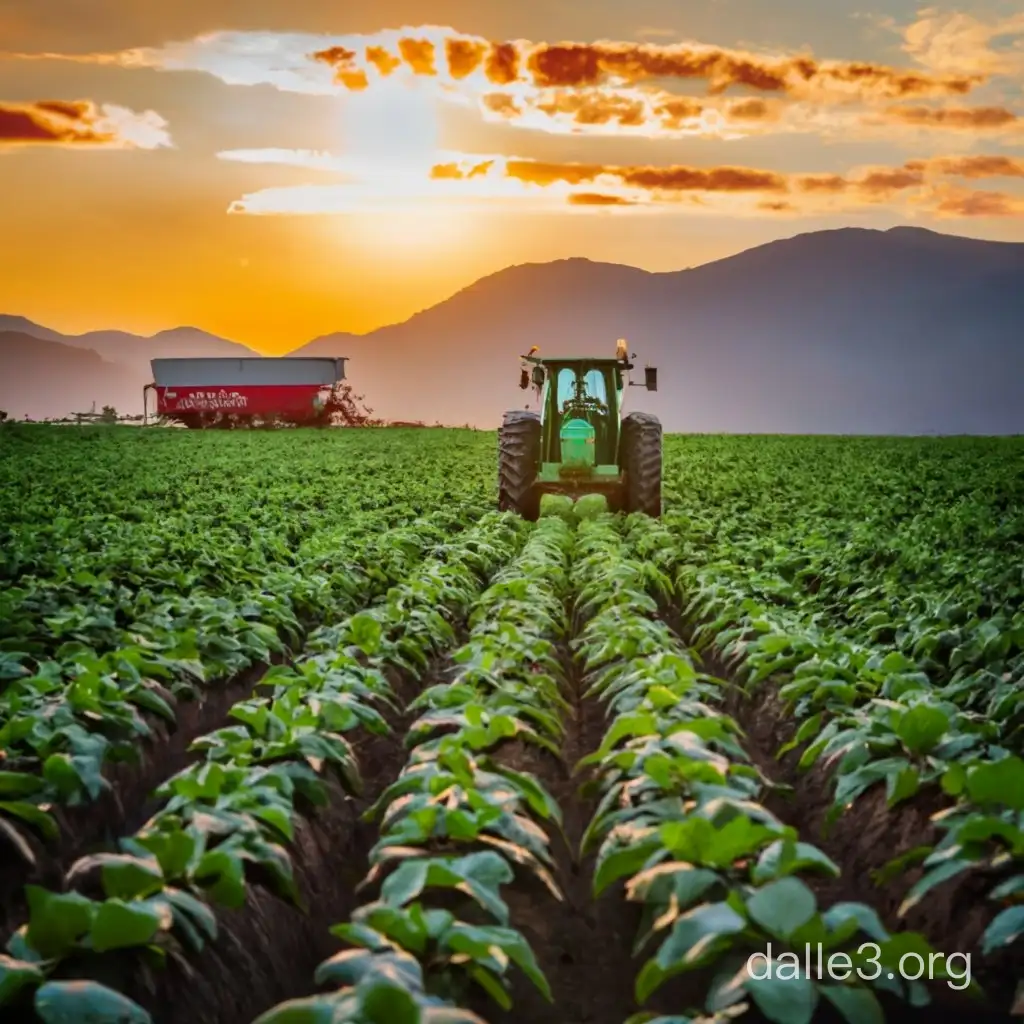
point(645, 113)
point(702, 179)
point(346, 71)
point(672, 178)
point(502, 104)
point(382, 60)
point(885, 181)
point(499, 181)
point(79, 123)
point(575, 65)
point(820, 183)
point(979, 204)
point(777, 206)
point(603, 87)
point(598, 199)
point(921, 181)
point(588, 107)
point(453, 172)
point(539, 172)
point(464, 56)
point(419, 54)
point(974, 166)
point(503, 63)
point(958, 118)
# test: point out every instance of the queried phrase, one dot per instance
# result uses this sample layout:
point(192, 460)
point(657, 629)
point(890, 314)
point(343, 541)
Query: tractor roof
point(590, 360)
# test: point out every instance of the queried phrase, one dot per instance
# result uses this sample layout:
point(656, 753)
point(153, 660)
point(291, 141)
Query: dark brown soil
point(127, 804)
point(582, 946)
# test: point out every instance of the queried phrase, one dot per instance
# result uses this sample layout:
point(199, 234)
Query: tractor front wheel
point(641, 463)
point(518, 458)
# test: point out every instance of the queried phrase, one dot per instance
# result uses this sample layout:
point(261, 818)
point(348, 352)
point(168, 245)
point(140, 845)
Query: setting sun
point(392, 127)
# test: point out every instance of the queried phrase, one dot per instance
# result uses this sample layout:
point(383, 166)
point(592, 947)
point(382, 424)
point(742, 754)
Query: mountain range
point(904, 331)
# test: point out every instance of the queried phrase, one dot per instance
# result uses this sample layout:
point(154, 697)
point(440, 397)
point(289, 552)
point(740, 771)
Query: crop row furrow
point(462, 821)
point(63, 728)
point(229, 819)
point(720, 879)
point(870, 717)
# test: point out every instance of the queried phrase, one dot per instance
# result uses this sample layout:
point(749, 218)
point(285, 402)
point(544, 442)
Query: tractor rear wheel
point(641, 463)
point(518, 456)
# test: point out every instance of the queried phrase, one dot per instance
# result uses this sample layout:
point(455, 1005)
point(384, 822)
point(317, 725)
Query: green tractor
point(580, 443)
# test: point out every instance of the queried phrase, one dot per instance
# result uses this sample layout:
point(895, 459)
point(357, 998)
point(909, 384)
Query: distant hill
point(48, 379)
point(72, 371)
point(136, 351)
point(846, 331)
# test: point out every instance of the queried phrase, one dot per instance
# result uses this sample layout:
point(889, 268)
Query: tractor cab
point(580, 443)
point(580, 401)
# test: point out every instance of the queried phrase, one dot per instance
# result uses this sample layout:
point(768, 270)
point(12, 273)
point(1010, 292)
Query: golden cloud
point(967, 203)
point(598, 199)
point(587, 65)
point(80, 123)
point(957, 118)
point(972, 166)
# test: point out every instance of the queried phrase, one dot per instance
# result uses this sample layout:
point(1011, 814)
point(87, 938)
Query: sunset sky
point(272, 170)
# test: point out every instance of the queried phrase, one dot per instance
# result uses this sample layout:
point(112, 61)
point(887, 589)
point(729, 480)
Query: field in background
point(269, 696)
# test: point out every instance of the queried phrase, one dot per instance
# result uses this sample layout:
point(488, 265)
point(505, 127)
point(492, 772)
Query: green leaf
point(694, 937)
point(785, 857)
point(38, 819)
point(309, 1010)
point(782, 907)
point(998, 783)
point(121, 925)
point(922, 727)
point(902, 785)
point(124, 877)
point(784, 1001)
point(1005, 929)
point(228, 874)
point(619, 864)
point(173, 850)
point(15, 784)
point(60, 772)
point(405, 883)
point(936, 876)
point(954, 779)
point(198, 913)
point(803, 734)
point(351, 966)
point(86, 1002)
point(56, 920)
point(856, 1003)
point(16, 975)
point(383, 1003)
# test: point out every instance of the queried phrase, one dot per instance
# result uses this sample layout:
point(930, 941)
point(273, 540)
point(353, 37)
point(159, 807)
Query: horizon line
point(475, 281)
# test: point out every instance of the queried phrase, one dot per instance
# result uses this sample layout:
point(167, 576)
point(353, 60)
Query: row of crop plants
point(436, 936)
point(66, 719)
point(236, 807)
point(886, 714)
point(680, 821)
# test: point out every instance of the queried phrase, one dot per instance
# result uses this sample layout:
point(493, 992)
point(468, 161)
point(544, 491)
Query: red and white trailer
point(229, 392)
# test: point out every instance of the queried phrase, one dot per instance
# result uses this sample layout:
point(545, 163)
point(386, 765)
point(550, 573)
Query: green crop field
point(295, 727)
